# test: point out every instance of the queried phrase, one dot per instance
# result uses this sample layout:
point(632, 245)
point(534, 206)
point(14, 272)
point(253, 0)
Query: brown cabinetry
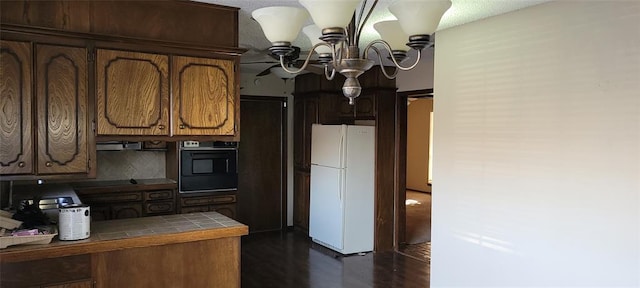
point(52, 272)
point(306, 113)
point(203, 95)
point(16, 143)
point(363, 109)
point(116, 204)
point(301, 184)
point(201, 202)
point(132, 93)
point(63, 138)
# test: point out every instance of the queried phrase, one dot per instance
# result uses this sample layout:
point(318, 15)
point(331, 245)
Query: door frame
point(400, 215)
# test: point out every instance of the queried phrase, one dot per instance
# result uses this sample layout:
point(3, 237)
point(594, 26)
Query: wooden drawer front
point(159, 207)
point(224, 199)
point(194, 209)
point(206, 200)
point(158, 195)
point(113, 197)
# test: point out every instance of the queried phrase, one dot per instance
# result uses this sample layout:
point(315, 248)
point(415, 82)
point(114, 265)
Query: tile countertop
point(120, 234)
point(157, 225)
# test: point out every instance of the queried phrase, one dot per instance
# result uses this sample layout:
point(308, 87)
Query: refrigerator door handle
point(341, 149)
point(340, 182)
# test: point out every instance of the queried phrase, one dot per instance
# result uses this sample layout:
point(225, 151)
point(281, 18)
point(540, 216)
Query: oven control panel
point(190, 144)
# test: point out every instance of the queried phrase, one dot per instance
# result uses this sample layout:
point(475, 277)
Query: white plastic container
point(74, 222)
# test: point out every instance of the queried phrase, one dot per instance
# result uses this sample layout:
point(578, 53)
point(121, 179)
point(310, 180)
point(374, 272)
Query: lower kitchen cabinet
point(53, 272)
point(200, 202)
point(301, 184)
point(107, 204)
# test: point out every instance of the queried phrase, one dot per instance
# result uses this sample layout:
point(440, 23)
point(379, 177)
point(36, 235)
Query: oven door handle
point(209, 156)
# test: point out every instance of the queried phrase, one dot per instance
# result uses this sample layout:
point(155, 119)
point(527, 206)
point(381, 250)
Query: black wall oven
point(208, 167)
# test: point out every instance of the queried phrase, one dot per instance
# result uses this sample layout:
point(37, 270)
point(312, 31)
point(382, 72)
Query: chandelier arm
point(306, 61)
point(386, 46)
point(395, 72)
point(336, 56)
point(326, 72)
point(363, 22)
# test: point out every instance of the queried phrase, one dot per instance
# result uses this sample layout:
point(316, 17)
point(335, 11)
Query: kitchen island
point(185, 250)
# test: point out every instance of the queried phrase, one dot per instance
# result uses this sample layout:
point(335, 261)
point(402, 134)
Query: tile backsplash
point(126, 164)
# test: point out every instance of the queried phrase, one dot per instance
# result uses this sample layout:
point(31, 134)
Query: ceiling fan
point(291, 60)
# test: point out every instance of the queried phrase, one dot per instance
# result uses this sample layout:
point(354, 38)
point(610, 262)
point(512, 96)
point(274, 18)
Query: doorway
point(262, 166)
point(416, 238)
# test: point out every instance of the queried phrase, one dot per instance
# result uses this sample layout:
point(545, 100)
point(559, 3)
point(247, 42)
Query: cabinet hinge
point(235, 127)
point(91, 56)
point(284, 104)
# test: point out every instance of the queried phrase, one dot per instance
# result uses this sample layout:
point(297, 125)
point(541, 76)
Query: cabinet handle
point(160, 126)
point(21, 164)
point(48, 164)
point(182, 126)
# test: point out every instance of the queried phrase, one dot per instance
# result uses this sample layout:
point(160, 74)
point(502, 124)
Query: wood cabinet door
point(301, 186)
point(204, 96)
point(363, 109)
point(100, 212)
point(132, 93)
point(298, 132)
point(126, 210)
point(228, 210)
point(62, 103)
point(310, 117)
point(16, 146)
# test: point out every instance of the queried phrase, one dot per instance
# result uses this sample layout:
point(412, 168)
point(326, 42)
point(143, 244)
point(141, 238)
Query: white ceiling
point(461, 12)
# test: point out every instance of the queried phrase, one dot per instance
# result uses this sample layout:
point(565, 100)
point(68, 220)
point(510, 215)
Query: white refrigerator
point(342, 187)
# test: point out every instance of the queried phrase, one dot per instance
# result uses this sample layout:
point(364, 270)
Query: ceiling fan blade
point(315, 69)
point(267, 71)
point(259, 62)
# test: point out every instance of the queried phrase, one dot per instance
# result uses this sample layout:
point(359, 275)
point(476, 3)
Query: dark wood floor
point(290, 259)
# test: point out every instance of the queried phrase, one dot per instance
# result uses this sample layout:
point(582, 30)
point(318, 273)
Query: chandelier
point(337, 30)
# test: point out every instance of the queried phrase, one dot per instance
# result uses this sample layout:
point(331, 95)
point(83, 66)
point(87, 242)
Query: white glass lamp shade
point(280, 23)
point(391, 32)
point(331, 13)
point(419, 17)
point(314, 33)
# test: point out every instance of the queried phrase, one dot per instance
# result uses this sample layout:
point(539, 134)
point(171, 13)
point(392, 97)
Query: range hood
point(118, 145)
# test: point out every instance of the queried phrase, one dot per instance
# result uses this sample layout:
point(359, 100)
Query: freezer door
point(326, 207)
point(327, 145)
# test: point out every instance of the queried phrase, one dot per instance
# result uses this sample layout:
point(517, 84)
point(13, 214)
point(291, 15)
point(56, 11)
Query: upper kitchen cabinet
point(16, 143)
point(63, 141)
point(62, 103)
point(132, 93)
point(204, 96)
point(158, 70)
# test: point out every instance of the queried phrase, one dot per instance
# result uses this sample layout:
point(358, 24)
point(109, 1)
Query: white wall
point(537, 148)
